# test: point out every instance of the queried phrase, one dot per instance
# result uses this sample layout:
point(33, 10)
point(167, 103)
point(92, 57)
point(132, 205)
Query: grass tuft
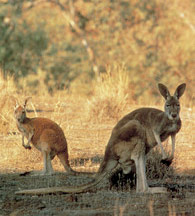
point(7, 103)
point(111, 94)
point(155, 169)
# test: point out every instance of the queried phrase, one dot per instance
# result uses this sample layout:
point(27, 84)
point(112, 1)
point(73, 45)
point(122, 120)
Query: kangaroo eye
point(178, 105)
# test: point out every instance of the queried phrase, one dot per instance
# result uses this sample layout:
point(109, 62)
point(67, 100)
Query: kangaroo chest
point(171, 128)
point(164, 131)
point(24, 129)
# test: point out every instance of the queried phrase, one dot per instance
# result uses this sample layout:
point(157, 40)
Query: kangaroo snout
point(174, 115)
point(46, 135)
point(19, 117)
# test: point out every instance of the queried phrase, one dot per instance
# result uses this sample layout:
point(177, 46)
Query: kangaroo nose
point(174, 115)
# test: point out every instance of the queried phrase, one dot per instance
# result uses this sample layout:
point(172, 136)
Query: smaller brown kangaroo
point(45, 135)
point(130, 141)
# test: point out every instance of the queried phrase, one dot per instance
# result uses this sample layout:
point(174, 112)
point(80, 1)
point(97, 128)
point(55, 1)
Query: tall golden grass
point(111, 94)
point(87, 120)
point(8, 94)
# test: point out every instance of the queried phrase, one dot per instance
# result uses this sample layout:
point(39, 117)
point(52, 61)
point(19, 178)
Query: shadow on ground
point(180, 199)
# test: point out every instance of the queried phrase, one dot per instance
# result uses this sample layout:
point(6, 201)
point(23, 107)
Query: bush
point(110, 94)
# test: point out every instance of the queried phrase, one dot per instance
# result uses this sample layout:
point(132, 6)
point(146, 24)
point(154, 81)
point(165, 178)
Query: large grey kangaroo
point(131, 139)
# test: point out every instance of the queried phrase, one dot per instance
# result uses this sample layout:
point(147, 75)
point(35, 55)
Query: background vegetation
point(86, 63)
point(68, 44)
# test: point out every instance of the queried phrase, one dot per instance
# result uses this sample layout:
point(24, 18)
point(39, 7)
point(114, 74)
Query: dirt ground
point(102, 200)
point(88, 139)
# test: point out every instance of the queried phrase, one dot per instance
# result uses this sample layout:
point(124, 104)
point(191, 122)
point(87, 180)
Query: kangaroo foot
point(156, 190)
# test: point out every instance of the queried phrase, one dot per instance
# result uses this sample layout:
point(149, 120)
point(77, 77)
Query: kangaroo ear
point(164, 91)
point(25, 102)
point(16, 104)
point(180, 90)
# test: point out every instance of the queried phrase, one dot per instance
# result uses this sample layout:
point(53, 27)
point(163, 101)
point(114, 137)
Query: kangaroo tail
point(65, 189)
point(108, 168)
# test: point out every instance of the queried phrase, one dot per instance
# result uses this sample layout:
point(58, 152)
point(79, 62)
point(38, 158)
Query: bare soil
point(88, 140)
point(102, 200)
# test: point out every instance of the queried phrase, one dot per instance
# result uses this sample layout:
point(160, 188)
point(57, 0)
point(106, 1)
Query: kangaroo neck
point(166, 125)
point(25, 121)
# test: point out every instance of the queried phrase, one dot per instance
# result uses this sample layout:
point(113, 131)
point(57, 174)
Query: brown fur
point(131, 139)
point(46, 136)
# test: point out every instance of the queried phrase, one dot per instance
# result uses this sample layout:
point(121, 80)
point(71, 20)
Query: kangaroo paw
point(25, 173)
point(27, 147)
point(167, 161)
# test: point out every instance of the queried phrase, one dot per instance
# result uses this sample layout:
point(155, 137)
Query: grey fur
point(131, 139)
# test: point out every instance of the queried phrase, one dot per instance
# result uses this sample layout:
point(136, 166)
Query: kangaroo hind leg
point(48, 169)
point(141, 181)
point(140, 162)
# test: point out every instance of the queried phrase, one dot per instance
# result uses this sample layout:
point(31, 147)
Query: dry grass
point(87, 123)
point(155, 169)
point(111, 95)
point(7, 102)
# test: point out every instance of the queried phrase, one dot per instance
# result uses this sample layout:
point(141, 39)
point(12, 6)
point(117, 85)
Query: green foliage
point(21, 47)
point(65, 65)
point(154, 39)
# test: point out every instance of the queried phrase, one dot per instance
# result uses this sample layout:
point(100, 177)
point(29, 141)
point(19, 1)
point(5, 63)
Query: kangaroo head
point(20, 111)
point(172, 105)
